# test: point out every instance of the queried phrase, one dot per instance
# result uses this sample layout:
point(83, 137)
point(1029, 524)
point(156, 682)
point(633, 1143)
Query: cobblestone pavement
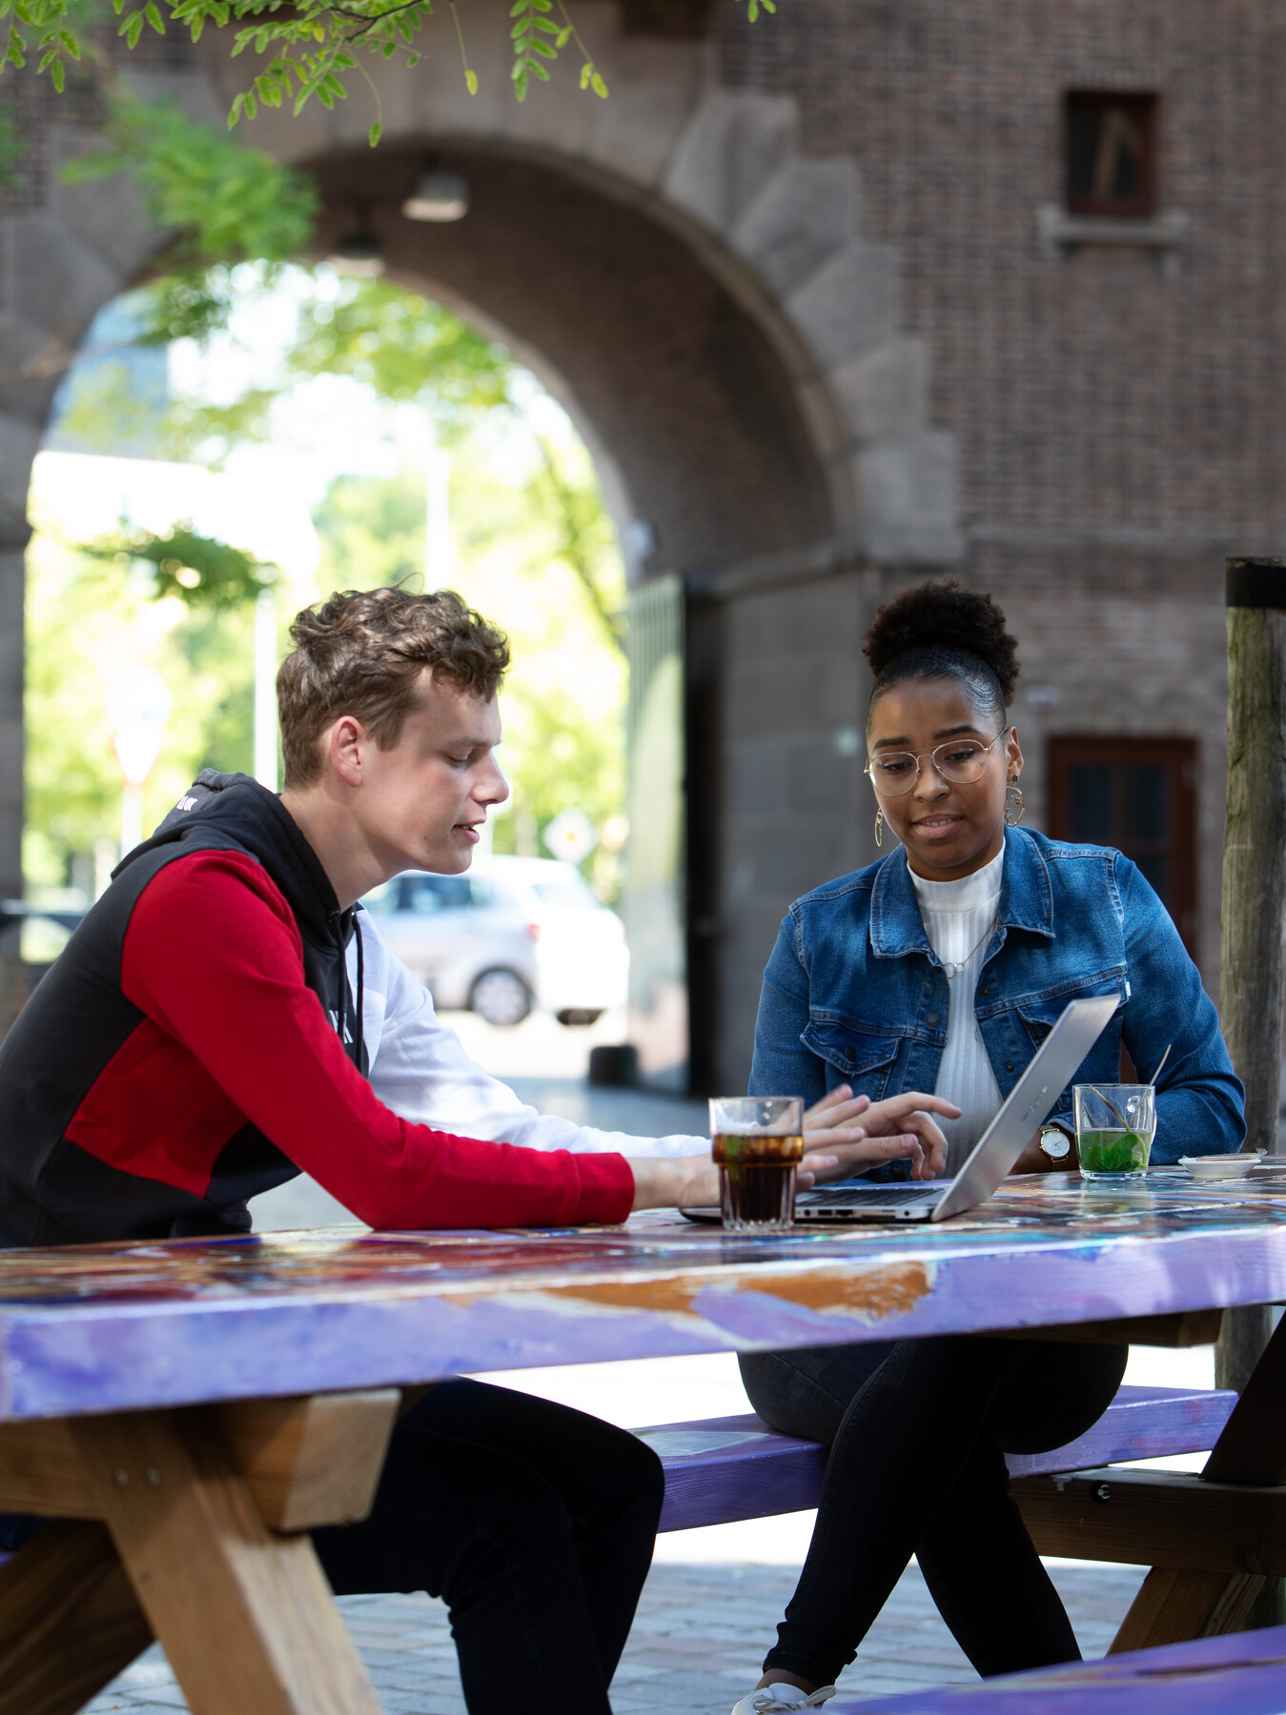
point(695, 1646)
point(714, 1595)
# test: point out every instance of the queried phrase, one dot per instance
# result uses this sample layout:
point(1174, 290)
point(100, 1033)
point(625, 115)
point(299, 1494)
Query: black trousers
point(917, 1432)
point(533, 1522)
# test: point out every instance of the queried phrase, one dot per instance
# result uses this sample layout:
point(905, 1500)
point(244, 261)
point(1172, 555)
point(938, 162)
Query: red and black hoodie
point(197, 1043)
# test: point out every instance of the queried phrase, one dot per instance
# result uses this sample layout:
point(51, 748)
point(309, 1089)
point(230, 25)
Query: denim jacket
point(854, 993)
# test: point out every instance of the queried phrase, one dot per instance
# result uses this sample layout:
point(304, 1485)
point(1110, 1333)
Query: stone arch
point(792, 440)
point(722, 170)
point(780, 230)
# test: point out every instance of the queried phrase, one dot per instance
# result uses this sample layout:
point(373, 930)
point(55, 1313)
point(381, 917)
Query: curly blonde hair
point(363, 652)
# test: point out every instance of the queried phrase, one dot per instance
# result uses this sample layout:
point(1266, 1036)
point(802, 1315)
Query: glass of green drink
point(1115, 1125)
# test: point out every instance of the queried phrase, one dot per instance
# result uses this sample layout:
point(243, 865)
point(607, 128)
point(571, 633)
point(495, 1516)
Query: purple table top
point(127, 1326)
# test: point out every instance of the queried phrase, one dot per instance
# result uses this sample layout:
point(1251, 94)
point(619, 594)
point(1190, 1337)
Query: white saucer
point(1221, 1166)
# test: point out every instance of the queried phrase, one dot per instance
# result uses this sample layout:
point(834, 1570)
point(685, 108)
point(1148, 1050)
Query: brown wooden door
point(1137, 794)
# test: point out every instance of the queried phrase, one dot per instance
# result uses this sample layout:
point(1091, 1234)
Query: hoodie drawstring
point(359, 1039)
point(349, 1017)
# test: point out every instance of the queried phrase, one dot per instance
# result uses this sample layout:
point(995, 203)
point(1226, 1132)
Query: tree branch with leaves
point(305, 49)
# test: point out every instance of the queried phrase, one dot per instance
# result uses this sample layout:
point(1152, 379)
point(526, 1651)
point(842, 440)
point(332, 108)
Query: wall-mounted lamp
point(438, 195)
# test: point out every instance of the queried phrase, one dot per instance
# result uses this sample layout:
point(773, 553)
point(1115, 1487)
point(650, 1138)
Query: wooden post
point(1254, 887)
point(1254, 884)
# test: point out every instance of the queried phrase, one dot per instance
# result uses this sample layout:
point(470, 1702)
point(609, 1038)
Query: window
point(429, 893)
point(1110, 153)
point(1136, 794)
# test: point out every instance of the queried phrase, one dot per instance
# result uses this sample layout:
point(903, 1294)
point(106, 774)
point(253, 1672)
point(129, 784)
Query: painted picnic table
point(205, 1402)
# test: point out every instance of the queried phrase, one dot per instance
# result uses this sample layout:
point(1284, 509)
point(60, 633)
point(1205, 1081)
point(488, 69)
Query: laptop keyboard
point(895, 1195)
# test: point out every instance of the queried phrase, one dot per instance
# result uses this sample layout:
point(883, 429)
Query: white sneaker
point(780, 1699)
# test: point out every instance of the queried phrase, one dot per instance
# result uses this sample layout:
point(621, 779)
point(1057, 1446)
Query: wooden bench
point(721, 1469)
point(727, 1468)
point(1240, 1673)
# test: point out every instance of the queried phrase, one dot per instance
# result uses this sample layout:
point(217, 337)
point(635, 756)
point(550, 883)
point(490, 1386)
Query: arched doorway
point(701, 298)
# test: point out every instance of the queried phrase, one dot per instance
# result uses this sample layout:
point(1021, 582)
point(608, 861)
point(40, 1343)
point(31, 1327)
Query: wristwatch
point(1055, 1142)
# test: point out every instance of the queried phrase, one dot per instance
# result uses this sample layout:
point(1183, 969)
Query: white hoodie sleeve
point(419, 1068)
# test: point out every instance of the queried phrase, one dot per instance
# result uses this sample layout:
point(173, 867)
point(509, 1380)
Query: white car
point(512, 934)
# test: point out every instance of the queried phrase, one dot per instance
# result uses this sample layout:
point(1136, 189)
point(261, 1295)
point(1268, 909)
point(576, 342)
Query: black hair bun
point(942, 616)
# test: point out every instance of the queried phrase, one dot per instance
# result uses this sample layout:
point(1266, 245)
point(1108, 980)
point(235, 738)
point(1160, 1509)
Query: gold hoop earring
point(1014, 806)
point(879, 827)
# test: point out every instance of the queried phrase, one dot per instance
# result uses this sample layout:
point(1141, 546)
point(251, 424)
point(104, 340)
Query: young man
point(225, 1017)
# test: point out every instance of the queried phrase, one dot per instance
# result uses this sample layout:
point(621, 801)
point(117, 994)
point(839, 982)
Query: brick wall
point(1116, 409)
point(1087, 389)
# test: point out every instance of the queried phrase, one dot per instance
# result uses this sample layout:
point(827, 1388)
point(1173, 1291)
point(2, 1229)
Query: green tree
point(565, 694)
point(534, 547)
point(563, 743)
point(405, 348)
point(407, 351)
point(83, 616)
point(303, 52)
point(372, 532)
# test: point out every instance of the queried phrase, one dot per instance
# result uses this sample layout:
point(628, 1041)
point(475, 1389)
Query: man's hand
point(692, 1181)
point(682, 1182)
point(897, 1129)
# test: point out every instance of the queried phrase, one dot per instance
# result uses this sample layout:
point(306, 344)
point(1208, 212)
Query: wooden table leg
point(69, 1621)
point(1175, 1605)
point(1172, 1606)
point(246, 1617)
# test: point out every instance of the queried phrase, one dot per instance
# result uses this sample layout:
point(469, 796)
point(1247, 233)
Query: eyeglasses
point(960, 761)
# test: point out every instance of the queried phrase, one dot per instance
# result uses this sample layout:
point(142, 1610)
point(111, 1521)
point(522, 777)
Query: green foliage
point(583, 538)
point(303, 51)
point(562, 746)
point(538, 38)
point(534, 548)
point(105, 414)
point(214, 648)
point(229, 202)
point(82, 618)
point(193, 303)
point(563, 730)
point(46, 31)
point(72, 778)
point(372, 532)
point(404, 348)
point(201, 572)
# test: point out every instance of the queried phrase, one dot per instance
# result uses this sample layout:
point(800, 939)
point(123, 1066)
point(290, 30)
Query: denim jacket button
point(930, 1018)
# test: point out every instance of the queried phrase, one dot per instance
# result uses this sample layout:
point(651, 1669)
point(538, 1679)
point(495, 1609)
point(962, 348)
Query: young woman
point(941, 967)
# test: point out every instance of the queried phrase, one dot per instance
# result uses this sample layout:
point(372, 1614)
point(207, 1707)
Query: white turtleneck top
point(958, 918)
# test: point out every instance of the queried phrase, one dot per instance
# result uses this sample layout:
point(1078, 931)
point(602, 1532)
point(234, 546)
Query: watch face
point(1055, 1142)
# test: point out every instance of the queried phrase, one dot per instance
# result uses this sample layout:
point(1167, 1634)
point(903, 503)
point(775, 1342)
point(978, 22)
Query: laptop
point(1027, 1105)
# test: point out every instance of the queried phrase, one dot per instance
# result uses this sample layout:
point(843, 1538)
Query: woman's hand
point(896, 1129)
point(1034, 1160)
